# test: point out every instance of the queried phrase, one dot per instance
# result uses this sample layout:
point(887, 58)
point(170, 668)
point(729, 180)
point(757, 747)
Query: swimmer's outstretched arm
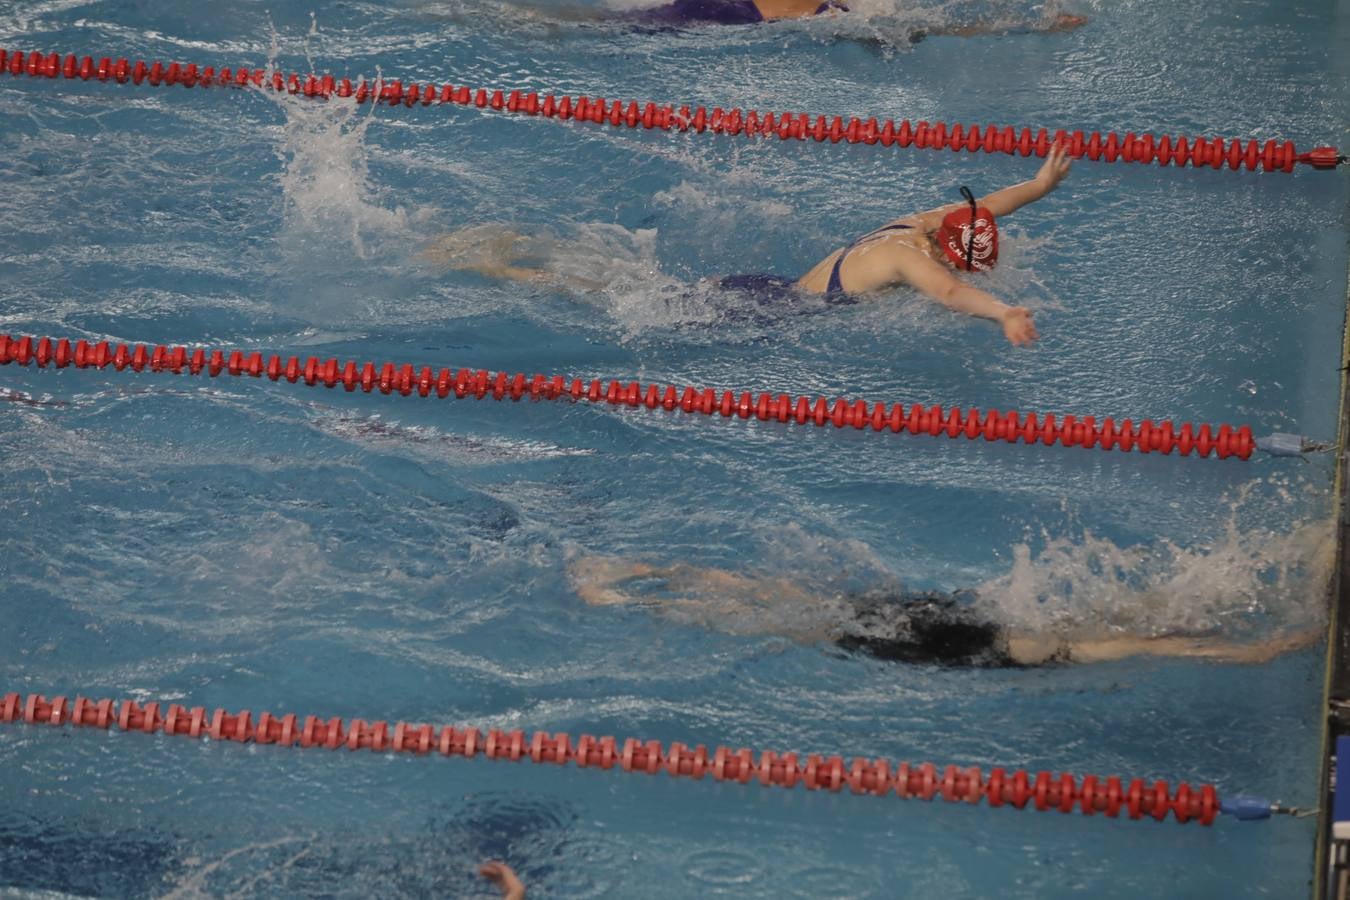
point(597, 579)
point(934, 280)
point(1010, 199)
point(1048, 177)
point(1028, 649)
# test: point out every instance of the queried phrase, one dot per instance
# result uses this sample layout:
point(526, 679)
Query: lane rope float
point(971, 423)
point(1270, 155)
point(1018, 788)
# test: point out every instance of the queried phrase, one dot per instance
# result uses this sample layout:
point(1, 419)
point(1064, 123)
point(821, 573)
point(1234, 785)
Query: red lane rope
point(1018, 787)
point(971, 423)
point(1215, 152)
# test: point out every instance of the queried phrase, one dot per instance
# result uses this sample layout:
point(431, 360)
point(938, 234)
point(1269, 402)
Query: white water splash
point(1254, 578)
point(343, 240)
point(331, 206)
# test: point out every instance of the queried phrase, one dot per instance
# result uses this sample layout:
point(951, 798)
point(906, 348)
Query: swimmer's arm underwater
point(1031, 650)
point(1060, 22)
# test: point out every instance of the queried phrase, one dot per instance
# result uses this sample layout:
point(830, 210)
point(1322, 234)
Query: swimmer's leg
point(481, 248)
point(599, 581)
point(596, 579)
point(494, 251)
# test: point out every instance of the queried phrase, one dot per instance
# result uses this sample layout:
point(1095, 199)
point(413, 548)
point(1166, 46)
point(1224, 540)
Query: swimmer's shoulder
point(911, 226)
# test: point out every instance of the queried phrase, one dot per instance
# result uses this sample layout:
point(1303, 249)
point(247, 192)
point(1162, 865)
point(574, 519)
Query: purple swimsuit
point(711, 12)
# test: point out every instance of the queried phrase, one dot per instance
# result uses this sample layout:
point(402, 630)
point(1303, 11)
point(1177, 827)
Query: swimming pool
point(243, 544)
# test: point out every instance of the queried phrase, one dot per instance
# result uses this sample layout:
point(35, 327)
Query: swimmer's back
point(867, 264)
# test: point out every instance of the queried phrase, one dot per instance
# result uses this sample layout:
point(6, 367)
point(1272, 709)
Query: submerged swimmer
point(27, 400)
point(923, 251)
point(928, 629)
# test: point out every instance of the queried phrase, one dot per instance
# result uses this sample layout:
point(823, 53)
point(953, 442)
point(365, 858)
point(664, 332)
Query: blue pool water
point(254, 545)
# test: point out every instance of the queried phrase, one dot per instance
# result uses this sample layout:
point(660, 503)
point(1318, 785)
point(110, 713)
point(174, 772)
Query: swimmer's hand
point(1053, 170)
point(506, 881)
point(1066, 22)
point(1018, 327)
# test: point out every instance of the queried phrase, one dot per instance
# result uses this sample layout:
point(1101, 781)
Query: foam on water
point(1255, 578)
point(1258, 577)
point(343, 236)
point(331, 205)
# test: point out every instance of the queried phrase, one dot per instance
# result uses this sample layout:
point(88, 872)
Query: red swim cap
point(954, 237)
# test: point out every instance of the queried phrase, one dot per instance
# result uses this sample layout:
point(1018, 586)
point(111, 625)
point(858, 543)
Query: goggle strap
point(970, 241)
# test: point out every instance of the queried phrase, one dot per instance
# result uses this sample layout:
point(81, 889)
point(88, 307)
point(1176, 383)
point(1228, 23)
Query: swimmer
point(923, 251)
point(926, 629)
point(752, 12)
point(702, 13)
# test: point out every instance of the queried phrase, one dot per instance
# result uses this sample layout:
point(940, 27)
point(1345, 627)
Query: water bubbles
point(720, 870)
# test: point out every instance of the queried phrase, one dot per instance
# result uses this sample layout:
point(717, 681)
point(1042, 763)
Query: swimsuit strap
point(837, 287)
